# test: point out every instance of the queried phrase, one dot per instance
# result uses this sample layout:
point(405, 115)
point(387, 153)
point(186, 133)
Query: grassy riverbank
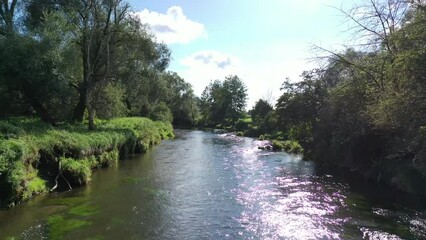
point(33, 154)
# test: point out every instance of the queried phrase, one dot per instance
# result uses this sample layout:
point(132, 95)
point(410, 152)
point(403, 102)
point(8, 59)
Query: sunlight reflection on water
point(206, 186)
point(285, 207)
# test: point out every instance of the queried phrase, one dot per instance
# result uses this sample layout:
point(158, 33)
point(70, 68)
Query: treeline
point(69, 60)
point(364, 110)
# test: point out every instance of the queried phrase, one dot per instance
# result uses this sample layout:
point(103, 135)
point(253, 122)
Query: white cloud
point(262, 77)
point(172, 27)
point(203, 66)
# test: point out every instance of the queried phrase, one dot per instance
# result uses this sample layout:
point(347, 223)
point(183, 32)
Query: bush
point(277, 145)
point(79, 170)
point(243, 124)
point(161, 112)
point(288, 146)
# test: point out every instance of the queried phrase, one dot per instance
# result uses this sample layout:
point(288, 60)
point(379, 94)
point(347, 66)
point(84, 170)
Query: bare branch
point(343, 59)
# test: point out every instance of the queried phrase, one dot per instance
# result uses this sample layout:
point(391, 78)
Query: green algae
point(59, 226)
point(84, 210)
point(133, 180)
point(69, 201)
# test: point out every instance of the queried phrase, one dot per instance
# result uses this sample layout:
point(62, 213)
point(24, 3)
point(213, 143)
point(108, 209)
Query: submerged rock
point(263, 145)
point(219, 131)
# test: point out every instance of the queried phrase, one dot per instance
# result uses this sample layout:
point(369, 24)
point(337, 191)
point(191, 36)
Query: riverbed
point(209, 186)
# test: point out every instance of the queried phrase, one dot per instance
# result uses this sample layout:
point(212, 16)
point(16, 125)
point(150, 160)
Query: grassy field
point(35, 156)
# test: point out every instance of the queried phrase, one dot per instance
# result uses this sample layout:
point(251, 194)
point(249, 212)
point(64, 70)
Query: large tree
point(33, 69)
point(118, 59)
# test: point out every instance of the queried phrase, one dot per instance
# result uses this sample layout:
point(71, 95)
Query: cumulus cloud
point(173, 26)
point(218, 59)
point(203, 66)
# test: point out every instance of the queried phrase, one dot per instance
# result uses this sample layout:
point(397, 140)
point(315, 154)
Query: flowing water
point(206, 186)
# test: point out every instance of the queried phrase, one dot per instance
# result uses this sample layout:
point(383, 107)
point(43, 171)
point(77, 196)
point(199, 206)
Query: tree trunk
point(192, 113)
point(91, 118)
point(83, 89)
point(80, 107)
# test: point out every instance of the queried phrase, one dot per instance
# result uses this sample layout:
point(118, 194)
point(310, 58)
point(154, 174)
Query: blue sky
point(262, 42)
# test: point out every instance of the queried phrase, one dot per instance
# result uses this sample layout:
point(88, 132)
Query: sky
point(263, 42)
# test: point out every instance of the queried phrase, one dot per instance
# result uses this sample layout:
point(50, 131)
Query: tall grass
point(33, 153)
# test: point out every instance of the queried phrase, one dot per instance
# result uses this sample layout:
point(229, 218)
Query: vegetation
point(364, 110)
point(66, 61)
point(82, 67)
point(33, 154)
point(288, 146)
point(222, 103)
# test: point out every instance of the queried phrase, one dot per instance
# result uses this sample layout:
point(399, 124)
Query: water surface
point(206, 186)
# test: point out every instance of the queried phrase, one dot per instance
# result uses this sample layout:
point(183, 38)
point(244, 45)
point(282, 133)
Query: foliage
point(161, 112)
point(180, 99)
point(109, 101)
point(223, 102)
point(288, 146)
point(243, 124)
point(365, 109)
point(260, 109)
point(70, 61)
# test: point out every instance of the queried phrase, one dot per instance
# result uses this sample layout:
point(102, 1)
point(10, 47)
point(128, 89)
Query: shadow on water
point(206, 186)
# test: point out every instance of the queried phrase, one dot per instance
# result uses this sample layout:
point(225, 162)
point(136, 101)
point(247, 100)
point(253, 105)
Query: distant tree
point(223, 102)
point(180, 98)
point(260, 110)
point(235, 97)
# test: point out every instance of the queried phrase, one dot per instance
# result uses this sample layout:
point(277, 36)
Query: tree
point(101, 31)
point(260, 110)
point(64, 60)
point(235, 97)
point(375, 21)
point(32, 63)
point(114, 48)
point(180, 98)
point(223, 102)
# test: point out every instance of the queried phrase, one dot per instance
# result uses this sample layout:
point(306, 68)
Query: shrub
point(288, 146)
point(161, 112)
point(79, 170)
point(277, 145)
point(243, 124)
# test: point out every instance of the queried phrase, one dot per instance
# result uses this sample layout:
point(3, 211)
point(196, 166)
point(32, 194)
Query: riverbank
point(36, 158)
point(207, 186)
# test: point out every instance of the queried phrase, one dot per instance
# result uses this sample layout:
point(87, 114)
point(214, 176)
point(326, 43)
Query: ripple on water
point(279, 203)
point(377, 234)
point(204, 186)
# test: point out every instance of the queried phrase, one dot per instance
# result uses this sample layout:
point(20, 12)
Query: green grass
point(30, 151)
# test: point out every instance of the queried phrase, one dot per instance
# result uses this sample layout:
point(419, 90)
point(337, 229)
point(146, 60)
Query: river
point(206, 186)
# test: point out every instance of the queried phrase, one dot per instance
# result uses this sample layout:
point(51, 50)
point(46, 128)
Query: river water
point(207, 186)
